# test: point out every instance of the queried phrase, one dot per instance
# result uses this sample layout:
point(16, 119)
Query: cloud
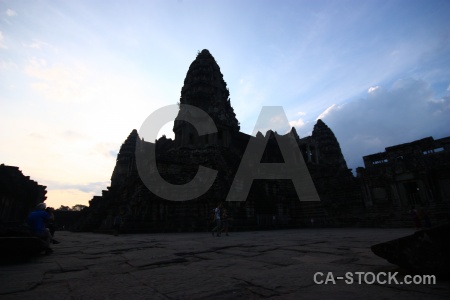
point(71, 194)
point(272, 118)
point(37, 44)
point(73, 135)
point(107, 150)
point(113, 153)
point(298, 123)
point(406, 112)
point(36, 135)
point(448, 88)
point(56, 198)
point(373, 89)
point(33, 45)
point(2, 44)
point(11, 13)
point(61, 83)
point(328, 111)
point(8, 65)
point(91, 187)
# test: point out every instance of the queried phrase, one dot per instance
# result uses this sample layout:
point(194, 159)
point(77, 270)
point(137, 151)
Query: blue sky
point(77, 76)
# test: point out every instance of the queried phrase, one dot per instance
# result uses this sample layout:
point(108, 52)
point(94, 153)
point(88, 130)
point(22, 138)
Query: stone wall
point(406, 176)
point(18, 194)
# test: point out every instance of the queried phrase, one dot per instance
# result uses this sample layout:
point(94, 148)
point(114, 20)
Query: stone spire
point(126, 161)
point(205, 88)
point(329, 150)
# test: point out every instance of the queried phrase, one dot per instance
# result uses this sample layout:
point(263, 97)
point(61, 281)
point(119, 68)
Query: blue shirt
point(36, 221)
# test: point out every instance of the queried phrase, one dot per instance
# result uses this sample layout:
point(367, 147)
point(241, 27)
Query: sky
point(76, 77)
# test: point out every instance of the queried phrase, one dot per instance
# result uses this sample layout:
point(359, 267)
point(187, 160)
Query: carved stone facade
point(415, 174)
point(269, 203)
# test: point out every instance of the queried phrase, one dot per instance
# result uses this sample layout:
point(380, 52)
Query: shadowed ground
point(265, 264)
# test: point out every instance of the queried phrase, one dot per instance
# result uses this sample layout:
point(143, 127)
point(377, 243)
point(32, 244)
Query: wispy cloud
point(62, 83)
point(90, 187)
point(73, 193)
point(329, 110)
point(36, 135)
point(272, 118)
point(108, 150)
point(300, 122)
point(8, 65)
point(38, 44)
point(11, 13)
point(72, 135)
point(373, 89)
point(2, 43)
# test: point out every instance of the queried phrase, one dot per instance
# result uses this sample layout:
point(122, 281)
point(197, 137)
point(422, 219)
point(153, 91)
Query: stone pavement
point(276, 264)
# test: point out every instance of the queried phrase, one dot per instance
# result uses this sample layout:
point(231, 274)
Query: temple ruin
point(415, 174)
point(18, 194)
point(270, 203)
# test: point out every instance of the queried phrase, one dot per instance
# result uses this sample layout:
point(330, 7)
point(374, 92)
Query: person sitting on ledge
point(50, 224)
point(36, 222)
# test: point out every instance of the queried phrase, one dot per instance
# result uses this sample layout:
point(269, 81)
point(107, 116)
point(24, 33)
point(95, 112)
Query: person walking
point(217, 215)
point(225, 221)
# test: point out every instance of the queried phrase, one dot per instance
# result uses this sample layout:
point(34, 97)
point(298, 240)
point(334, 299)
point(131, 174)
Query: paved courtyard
point(278, 264)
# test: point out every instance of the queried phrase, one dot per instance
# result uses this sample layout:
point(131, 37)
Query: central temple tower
point(205, 88)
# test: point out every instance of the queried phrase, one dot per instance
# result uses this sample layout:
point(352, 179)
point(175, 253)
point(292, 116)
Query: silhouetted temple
point(383, 193)
point(270, 202)
point(18, 194)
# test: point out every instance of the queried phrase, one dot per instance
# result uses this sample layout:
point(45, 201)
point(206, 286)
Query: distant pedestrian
point(217, 216)
point(415, 218)
point(225, 221)
point(424, 218)
point(117, 224)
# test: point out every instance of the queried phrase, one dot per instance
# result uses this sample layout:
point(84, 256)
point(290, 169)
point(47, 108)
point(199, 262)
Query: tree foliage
point(77, 207)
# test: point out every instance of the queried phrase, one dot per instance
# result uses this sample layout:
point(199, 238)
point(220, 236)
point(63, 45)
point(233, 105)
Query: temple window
point(381, 161)
point(433, 150)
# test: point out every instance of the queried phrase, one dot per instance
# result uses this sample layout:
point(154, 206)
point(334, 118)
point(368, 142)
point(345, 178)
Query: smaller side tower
point(328, 149)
